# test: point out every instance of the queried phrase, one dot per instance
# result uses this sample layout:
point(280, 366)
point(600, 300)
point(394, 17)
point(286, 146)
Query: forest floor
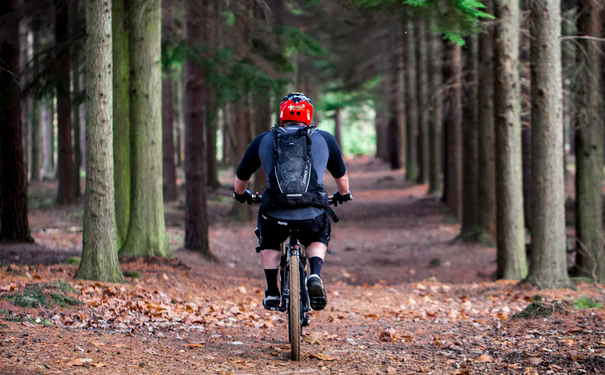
point(405, 297)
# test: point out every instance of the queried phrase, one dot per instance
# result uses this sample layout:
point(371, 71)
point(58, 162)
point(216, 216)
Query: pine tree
point(121, 117)
point(147, 229)
point(99, 251)
point(13, 181)
point(196, 217)
point(509, 195)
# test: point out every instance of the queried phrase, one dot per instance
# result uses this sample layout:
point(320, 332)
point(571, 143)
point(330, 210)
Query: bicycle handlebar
point(257, 198)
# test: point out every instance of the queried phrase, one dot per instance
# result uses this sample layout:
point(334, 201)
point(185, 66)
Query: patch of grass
point(133, 274)
point(587, 303)
point(539, 309)
point(37, 295)
point(435, 262)
point(74, 260)
point(581, 279)
point(8, 316)
point(31, 297)
point(40, 321)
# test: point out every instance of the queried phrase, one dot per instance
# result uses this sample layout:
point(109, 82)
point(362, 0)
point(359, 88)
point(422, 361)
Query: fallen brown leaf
point(312, 339)
point(195, 344)
point(79, 362)
point(323, 357)
point(485, 358)
point(100, 364)
point(534, 361)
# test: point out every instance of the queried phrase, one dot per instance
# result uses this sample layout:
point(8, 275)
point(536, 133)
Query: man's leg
point(316, 252)
point(270, 259)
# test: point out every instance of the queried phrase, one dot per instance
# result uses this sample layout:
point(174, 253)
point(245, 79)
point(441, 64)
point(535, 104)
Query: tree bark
point(337, 127)
point(48, 136)
point(99, 251)
point(14, 226)
point(454, 134)
point(422, 83)
point(76, 24)
point(486, 168)
point(548, 266)
point(196, 217)
point(435, 101)
point(590, 257)
point(241, 212)
point(121, 118)
point(262, 123)
point(509, 183)
point(67, 188)
point(394, 127)
point(211, 98)
point(469, 230)
point(411, 156)
point(168, 166)
point(147, 229)
point(36, 157)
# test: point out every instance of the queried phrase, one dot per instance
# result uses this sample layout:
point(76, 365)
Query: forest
point(472, 133)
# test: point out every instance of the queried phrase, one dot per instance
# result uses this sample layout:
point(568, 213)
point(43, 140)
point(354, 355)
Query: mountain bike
point(294, 294)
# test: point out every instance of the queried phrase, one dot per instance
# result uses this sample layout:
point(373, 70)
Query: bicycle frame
point(289, 248)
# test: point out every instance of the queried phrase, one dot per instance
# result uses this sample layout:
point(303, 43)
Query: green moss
point(435, 262)
point(74, 260)
point(133, 274)
point(539, 309)
point(38, 295)
point(587, 303)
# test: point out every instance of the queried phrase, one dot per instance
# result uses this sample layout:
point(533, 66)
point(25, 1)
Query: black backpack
point(293, 182)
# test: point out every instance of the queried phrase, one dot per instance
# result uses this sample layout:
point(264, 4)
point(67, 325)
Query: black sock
point(316, 263)
point(271, 276)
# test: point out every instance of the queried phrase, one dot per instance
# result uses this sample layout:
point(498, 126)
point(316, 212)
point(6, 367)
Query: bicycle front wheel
point(294, 308)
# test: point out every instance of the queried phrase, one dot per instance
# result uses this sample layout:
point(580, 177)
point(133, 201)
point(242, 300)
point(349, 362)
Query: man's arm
point(249, 164)
point(240, 185)
point(343, 184)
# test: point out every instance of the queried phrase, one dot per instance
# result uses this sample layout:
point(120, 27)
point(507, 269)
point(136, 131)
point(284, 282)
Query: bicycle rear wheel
point(294, 308)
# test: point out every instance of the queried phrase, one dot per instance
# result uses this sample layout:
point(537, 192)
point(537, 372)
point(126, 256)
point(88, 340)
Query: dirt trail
point(404, 298)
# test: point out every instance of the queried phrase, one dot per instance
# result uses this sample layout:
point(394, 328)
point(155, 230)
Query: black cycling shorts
point(272, 232)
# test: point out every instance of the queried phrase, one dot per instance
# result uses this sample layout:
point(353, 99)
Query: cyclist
point(294, 157)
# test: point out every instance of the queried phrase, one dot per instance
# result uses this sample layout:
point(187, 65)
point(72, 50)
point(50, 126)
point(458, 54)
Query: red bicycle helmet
point(296, 107)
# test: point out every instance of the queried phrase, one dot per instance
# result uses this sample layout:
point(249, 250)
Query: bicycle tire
point(294, 308)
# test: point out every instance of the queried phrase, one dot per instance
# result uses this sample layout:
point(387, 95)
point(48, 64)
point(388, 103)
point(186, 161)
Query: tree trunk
point(509, 183)
point(262, 123)
point(169, 178)
point(395, 96)
point(548, 266)
point(121, 118)
point(526, 108)
point(168, 166)
point(147, 230)
point(454, 134)
point(76, 24)
point(486, 168)
point(227, 124)
point(422, 83)
point(179, 109)
point(196, 217)
point(337, 127)
point(36, 123)
point(13, 182)
point(211, 33)
point(435, 103)
point(411, 155)
point(590, 257)
point(46, 122)
point(67, 186)
point(241, 212)
point(568, 55)
point(469, 230)
point(99, 251)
